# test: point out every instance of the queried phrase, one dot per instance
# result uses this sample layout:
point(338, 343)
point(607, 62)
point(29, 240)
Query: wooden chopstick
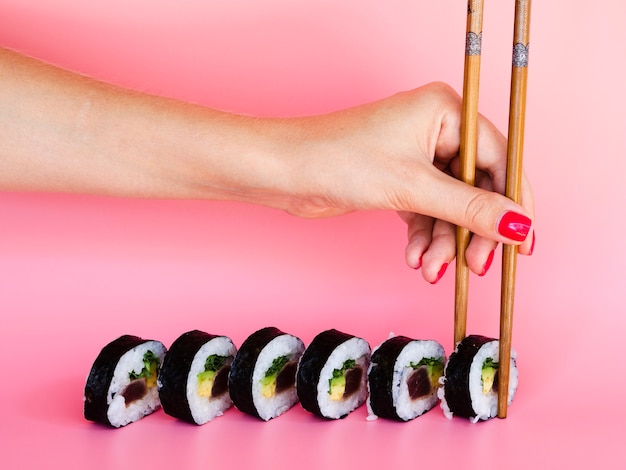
point(517, 113)
point(469, 138)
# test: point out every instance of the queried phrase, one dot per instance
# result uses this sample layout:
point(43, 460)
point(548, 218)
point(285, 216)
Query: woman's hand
point(402, 153)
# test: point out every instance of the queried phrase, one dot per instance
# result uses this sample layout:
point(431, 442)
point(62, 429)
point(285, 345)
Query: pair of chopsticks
point(469, 137)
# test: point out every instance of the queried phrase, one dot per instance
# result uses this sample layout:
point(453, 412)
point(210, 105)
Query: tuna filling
point(220, 382)
point(345, 381)
point(279, 377)
point(353, 381)
point(286, 378)
point(424, 379)
point(142, 381)
point(418, 383)
point(135, 390)
point(213, 381)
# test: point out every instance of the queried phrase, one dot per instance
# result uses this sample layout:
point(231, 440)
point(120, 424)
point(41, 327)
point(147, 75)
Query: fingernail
point(514, 226)
point(419, 263)
point(487, 264)
point(532, 245)
point(440, 273)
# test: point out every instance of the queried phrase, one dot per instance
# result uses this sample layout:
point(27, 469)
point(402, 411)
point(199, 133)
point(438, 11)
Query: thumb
point(485, 213)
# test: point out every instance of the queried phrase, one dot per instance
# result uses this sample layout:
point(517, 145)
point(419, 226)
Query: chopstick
point(467, 156)
point(517, 113)
point(468, 147)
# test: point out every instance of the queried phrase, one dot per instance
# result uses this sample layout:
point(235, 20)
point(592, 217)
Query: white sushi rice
point(204, 409)
point(354, 348)
point(118, 413)
point(485, 405)
point(442, 398)
point(271, 407)
point(407, 408)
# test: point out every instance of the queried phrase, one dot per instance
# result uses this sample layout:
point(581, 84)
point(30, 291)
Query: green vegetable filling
point(277, 366)
point(206, 378)
point(214, 362)
point(434, 366)
point(149, 371)
point(488, 374)
point(268, 382)
point(337, 384)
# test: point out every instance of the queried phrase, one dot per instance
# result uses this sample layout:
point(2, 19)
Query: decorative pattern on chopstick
point(521, 33)
point(474, 38)
point(520, 55)
point(473, 43)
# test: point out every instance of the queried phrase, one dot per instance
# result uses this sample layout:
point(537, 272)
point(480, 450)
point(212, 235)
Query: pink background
point(76, 271)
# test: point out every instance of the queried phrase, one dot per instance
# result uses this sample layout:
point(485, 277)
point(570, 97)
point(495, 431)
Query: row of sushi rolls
point(202, 375)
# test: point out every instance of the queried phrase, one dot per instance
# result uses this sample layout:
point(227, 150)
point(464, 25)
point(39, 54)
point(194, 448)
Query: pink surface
point(76, 272)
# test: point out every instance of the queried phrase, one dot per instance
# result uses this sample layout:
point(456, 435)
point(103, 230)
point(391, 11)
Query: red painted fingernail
point(514, 226)
point(419, 263)
point(532, 245)
point(487, 264)
point(440, 273)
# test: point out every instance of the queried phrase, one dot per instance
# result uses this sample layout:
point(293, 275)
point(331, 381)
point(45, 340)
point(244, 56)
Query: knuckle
point(446, 93)
point(476, 208)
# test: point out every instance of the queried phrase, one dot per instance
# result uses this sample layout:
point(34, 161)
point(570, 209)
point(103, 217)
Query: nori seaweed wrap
point(262, 375)
point(193, 382)
point(404, 377)
point(471, 377)
point(122, 384)
point(332, 374)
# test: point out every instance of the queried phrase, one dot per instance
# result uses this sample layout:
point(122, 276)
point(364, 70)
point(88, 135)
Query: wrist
point(240, 158)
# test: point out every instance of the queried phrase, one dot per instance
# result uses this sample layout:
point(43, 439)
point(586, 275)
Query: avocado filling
point(279, 377)
point(425, 377)
point(345, 381)
point(142, 381)
point(213, 381)
point(489, 375)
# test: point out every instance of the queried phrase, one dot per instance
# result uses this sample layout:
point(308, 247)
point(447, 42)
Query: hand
point(401, 153)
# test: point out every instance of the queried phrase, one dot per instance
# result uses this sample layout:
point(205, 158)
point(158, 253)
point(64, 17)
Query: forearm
point(63, 132)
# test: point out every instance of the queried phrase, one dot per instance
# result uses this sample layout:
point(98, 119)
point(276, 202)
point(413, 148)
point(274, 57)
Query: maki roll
point(262, 375)
point(332, 375)
point(404, 377)
point(470, 384)
point(122, 384)
point(193, 382)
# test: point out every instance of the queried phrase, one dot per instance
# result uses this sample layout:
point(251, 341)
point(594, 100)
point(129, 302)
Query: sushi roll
point(193, 382)
point(471, 378)
point(262, 375)
point(332, 374)
point(403, 378)
point(122, 384)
